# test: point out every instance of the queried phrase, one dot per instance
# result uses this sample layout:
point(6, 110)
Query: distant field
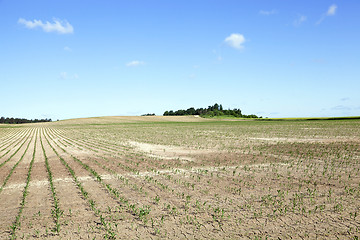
point(180, 177)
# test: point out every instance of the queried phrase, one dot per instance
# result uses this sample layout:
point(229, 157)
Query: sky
point(73, 58)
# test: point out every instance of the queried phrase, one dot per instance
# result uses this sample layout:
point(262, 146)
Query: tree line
point(22, 120)
point(210, 111)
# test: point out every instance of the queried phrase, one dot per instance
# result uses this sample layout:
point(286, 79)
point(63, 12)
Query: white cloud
point(298, 21)
point(267, 13)
point(332, 10)
point(67, 49)
point(62, 27)
point(235, 40)
point(63, 75)
point(135, 63)
point(66, 76)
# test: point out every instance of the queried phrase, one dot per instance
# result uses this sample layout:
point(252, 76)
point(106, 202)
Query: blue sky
point(70, 59)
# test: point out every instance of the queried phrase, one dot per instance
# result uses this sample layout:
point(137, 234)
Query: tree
point(191, 111)
point(21, 120)
point(210, 111)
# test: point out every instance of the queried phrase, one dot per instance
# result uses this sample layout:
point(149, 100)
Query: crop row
point(16, 224)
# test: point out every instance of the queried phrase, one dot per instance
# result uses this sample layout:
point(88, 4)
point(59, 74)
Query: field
point(180, 178)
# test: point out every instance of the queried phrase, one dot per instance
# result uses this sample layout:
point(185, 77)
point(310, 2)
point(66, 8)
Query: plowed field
point(179, 178)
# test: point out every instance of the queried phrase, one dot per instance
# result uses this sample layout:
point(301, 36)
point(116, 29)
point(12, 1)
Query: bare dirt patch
point(168, 152)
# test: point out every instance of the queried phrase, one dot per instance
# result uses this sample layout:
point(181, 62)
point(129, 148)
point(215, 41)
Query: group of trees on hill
point(211, 111)
point(22, 120)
